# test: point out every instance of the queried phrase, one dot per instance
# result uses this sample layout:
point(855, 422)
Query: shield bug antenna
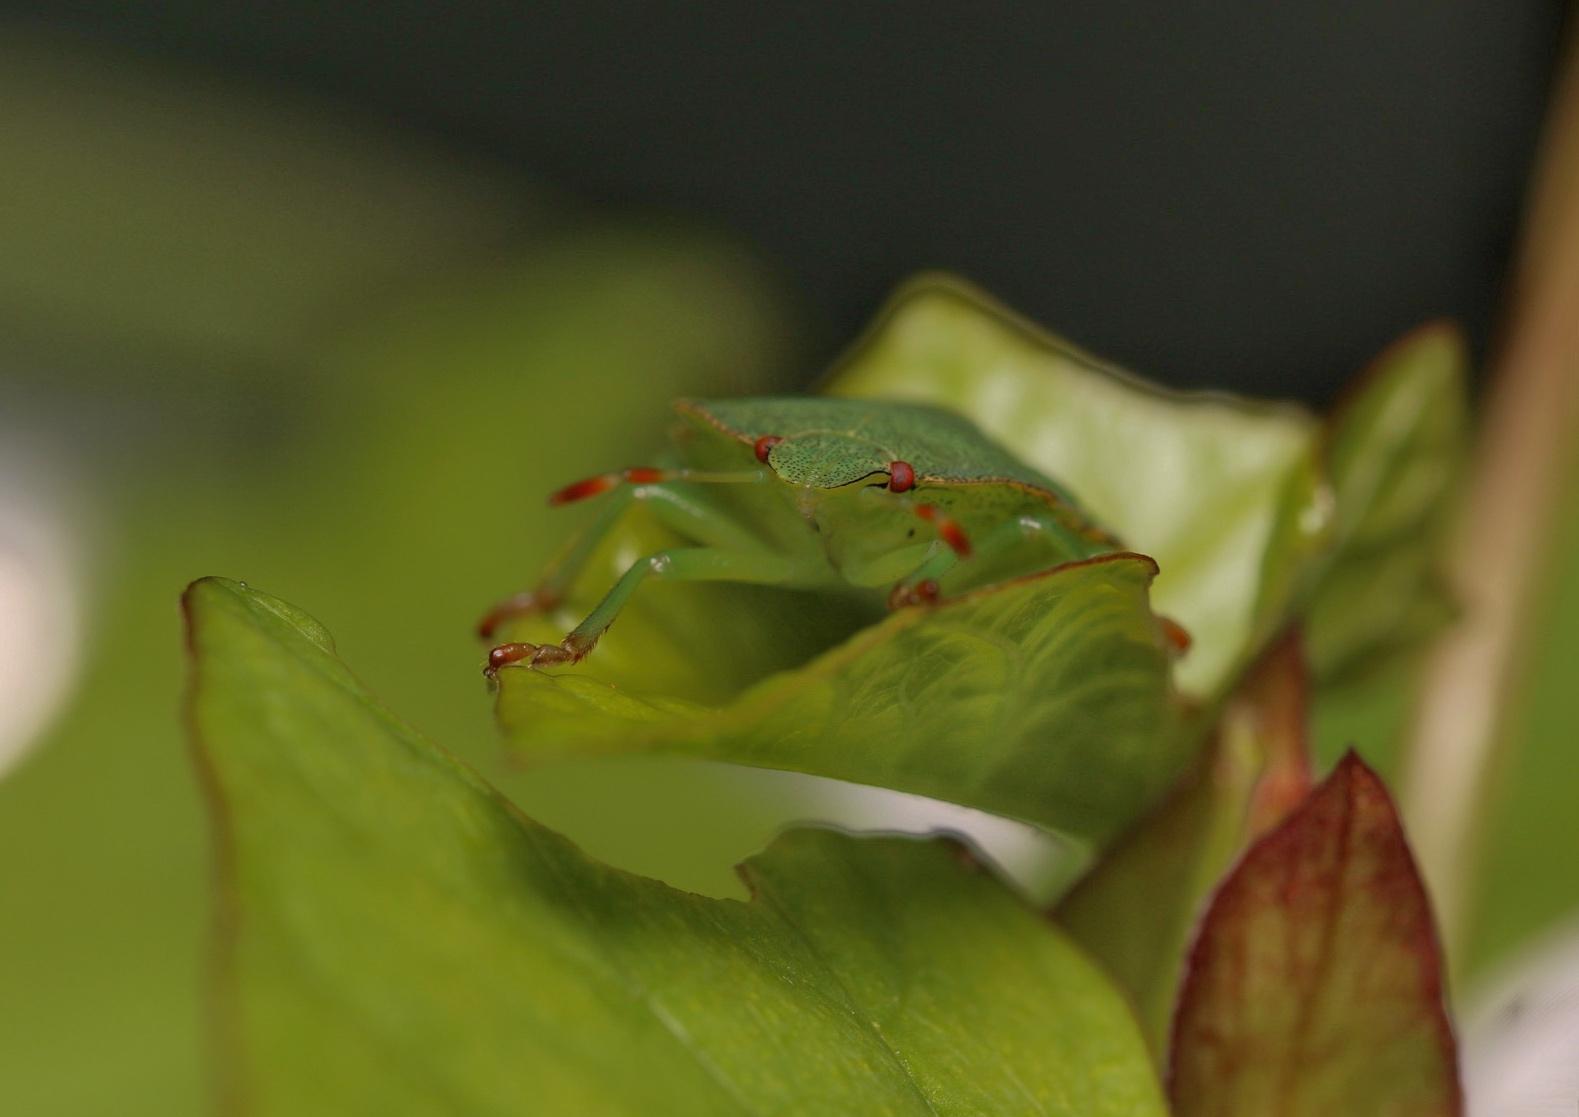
point(646, 475)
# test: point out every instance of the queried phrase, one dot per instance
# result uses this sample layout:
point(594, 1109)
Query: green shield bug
point(819, 493)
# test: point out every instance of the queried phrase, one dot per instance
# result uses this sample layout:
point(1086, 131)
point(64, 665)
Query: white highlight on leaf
point(1040, 864)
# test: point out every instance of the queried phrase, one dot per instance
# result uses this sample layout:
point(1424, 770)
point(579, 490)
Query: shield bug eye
point(901, 477)
point(764, 446)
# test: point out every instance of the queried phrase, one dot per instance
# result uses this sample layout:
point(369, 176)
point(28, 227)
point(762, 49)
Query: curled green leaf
point(1046, 698)
point(400, 939)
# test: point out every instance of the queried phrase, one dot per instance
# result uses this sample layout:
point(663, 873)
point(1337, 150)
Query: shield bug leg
point(1175, 635)
point(523, 604)
point(913, 592)
point(948, 529)
point(1034, 541)
point(652, 486)
point(1019, 545)
point(683, 564)
point(921, 587)
point(561, 573)
point(690, 514)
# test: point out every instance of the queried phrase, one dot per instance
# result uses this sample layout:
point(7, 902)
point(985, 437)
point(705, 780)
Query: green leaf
point(1315, 983)
point(399, 939)
point(1045, 699)
point(1396, 447)
point(1224, 493)
point(1396, 442)
point(1256, 769)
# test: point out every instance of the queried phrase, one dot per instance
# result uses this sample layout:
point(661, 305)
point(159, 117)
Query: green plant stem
point(1502, 532)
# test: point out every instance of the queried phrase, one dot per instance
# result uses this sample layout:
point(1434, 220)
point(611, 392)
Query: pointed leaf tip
point(274, 615)
point(1315, 982)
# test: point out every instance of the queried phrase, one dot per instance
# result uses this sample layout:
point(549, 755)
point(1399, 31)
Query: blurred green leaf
point(402, 940)
point(1045, 699)
point(391, 490)
point(1315, 983)
point(1396, 447)
point(1396, 441)
point(1256, 768)
point(1224, 493)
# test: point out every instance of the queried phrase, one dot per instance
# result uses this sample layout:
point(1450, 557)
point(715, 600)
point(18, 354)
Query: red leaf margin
point(1297, 875)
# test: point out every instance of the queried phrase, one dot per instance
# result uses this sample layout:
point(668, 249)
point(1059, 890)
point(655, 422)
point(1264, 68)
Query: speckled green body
point(828, 443)
point(831, 468)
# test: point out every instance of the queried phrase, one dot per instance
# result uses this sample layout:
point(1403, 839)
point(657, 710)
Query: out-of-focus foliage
point(324, 362)
point(1045, 699)
point(1315, 984)
point(1394, 452)
point(1396, 448)
point(400, 938)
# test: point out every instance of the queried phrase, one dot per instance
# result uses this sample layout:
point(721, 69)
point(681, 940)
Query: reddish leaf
point(1315, 983)
point(1275, 698)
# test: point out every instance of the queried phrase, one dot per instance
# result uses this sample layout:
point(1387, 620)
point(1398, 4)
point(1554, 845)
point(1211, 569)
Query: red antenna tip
point(581, 490)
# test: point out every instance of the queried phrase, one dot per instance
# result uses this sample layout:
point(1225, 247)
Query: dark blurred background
point(1233, 194)
point(327, 297)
